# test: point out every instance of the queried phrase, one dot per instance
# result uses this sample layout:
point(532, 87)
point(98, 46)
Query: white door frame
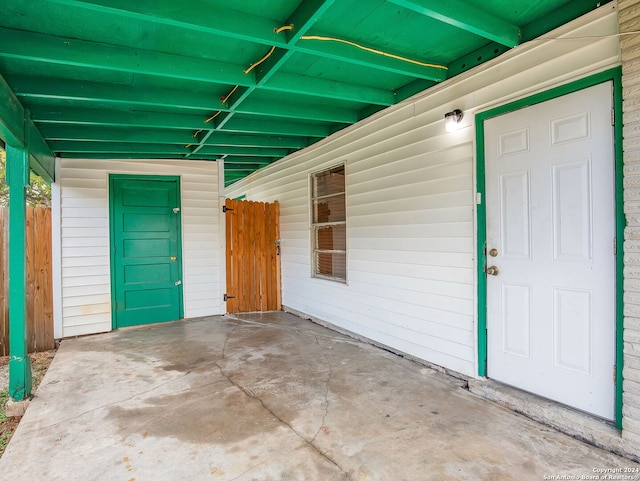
point(613, 75)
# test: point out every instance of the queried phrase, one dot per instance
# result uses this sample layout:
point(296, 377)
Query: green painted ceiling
point(174, 78)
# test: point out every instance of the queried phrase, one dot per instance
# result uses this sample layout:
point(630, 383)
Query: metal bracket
point(225, 208)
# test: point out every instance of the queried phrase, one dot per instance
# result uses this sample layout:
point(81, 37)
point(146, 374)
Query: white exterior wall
point(82, 260)
point(411, 201)
point(630, 46)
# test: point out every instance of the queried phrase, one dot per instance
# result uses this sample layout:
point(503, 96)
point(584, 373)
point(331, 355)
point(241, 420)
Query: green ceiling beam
point(79, 53)
point(116, 148)
point(294, 110)
point(340, 51)
point(467, 17)
point(115, 134)
point(126, 156)
point(242, 151)
point(302, 19)
point(193, 15)
point(12, 114)
point(319, 87)
point(219, 138)
point(114, 118)
point(262, 161)
point(258, 126)
point(31, 87)
point(18, 130)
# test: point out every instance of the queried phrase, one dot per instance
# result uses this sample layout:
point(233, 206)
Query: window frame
point(314, 227)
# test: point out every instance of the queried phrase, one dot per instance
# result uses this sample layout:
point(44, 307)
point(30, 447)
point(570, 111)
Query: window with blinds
point(329, 224)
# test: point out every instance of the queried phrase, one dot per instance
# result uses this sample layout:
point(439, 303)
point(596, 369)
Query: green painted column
point(19, 362)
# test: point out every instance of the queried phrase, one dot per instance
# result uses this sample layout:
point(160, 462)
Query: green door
point(145, 250)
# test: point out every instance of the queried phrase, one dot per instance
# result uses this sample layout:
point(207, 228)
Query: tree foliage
point(38, 192)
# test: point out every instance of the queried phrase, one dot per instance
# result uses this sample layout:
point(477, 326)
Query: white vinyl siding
point(630, 45)
point(411, 201)
point(83, 189)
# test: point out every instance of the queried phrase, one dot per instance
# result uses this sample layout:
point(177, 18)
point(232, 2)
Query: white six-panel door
point(550, 234)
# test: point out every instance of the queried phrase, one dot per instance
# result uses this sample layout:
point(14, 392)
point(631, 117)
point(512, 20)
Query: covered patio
point(272, 396)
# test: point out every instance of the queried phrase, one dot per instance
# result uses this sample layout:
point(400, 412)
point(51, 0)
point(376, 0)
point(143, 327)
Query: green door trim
point(163, 178)
point(612, 75)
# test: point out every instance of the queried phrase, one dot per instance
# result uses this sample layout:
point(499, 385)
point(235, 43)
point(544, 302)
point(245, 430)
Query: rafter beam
point(115, 118)
point(115, 134)
point(315, 86)
point(37, 47)
point(193, 15)
point(464, 16)
point(18, 130)
point(115, 148)
point(258, 126)
point(243, 151)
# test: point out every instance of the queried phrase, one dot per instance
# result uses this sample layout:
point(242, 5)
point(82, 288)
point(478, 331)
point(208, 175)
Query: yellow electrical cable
point(187, 146)
point(254, 65)
point(283, 28)
point(212, 117)
point(195, 134)
point(224, 99)
point(372, 50)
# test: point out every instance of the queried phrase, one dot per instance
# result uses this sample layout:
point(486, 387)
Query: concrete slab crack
point(326, 392)
point(255, 396)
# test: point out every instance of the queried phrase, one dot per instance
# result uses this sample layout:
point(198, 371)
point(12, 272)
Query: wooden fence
point(39, 281)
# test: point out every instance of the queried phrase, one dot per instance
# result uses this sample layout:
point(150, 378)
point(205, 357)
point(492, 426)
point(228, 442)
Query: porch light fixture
point(452, 120)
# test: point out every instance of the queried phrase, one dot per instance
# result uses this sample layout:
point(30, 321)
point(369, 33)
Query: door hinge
point(225, 208)
point(613, 116)
point(478, 198)
point(615, 373)
point(615, 246)
point(226, 297)
point(176, 210)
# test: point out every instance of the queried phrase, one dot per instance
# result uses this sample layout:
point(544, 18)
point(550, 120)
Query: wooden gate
point(253, 256)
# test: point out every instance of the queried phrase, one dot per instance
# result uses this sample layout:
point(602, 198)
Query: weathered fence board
point(39, 281)
point(253, 263)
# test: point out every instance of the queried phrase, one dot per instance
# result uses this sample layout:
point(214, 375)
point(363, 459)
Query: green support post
point(19, 362)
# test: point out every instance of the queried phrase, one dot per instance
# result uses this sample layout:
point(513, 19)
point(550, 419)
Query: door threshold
point(577, 424)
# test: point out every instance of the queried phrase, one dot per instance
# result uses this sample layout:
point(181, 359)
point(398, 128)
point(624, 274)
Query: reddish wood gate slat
point(39, 281)
point(253, 258)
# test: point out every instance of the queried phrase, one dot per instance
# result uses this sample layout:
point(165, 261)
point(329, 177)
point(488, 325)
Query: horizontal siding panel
point(70, 262)
point(82, 251)
point(69, 242)
point(85, 329)
point(78, 299)
point(86, 310)
point(88, 290)
point(88, 280)
point(78, 232)
point(85, 271)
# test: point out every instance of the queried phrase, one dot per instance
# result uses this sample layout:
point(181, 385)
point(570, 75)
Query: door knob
point(492, 270)
point(173, 258)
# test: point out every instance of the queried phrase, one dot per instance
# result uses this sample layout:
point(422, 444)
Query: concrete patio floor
point(271, 397)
